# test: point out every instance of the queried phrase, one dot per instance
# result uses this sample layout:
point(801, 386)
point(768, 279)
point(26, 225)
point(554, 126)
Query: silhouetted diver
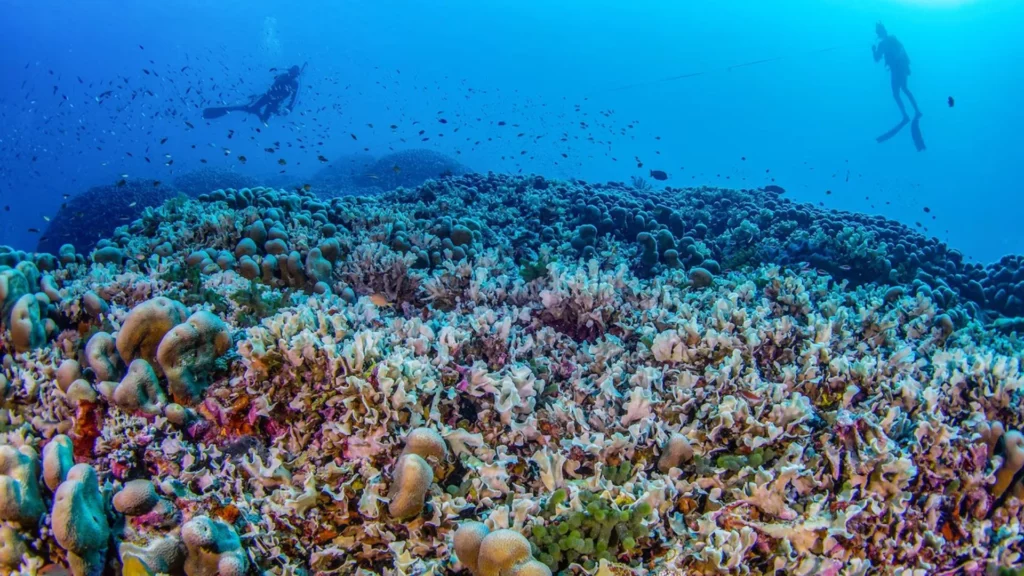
point(899, 67)
point(285, 87)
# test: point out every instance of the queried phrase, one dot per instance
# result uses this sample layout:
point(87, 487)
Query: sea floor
point(509, 376)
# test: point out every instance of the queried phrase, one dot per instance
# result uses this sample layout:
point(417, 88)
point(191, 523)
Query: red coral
point(88, 424)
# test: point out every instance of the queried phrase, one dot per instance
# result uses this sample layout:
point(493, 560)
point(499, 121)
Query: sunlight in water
point(938, 3)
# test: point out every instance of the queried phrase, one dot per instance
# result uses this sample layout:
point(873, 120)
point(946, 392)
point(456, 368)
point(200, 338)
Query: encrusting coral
point(518, 375)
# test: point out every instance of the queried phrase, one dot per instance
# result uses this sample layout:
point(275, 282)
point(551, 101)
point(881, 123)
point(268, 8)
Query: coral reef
point(408, 168)
point(511, 375)
point(79, 521)
point(85, 218)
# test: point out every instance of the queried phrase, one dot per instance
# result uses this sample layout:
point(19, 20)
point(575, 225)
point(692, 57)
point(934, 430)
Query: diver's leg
point(897, 83)
point(254, 108)
point(913, 102)
point(270, 110)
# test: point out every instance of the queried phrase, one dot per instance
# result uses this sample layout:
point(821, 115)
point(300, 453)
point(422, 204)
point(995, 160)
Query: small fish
point(163, 140)
point(34, 230)
point(950, 101)
point(927, 209)
point(282, 161)
point(396, 169)
point(156, 183)
point(775, 189)
point(659, 175)
point(121, 182)
point(321, 158)
point(47, 218)
point(242, 159)
point(380, 300)
point(307, 187)
point(132, 204)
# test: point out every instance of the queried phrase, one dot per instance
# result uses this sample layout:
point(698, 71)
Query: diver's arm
point(876, 50)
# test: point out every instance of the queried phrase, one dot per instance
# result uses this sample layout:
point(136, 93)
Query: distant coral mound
point(337, 178)
point(205, 180)
point(408, 168)
point(85, 218)
point(95, 213)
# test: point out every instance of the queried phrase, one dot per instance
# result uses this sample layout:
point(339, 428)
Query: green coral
point(531, 270)
point(737, 462)
point(257, 301)
point(601, 531)
point(618, 474)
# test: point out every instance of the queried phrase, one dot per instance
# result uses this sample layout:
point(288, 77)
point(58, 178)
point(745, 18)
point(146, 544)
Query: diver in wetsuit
point(285, 87)
point(898, 62)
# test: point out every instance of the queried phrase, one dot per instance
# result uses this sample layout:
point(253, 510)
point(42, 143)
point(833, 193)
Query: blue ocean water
point(783, 93)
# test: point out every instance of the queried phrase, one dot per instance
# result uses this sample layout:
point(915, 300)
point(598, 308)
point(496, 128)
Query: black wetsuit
point(899, 67)
point(285, 87)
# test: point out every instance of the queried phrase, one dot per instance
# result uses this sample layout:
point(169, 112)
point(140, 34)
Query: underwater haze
point(500, 288)
point(792, 88)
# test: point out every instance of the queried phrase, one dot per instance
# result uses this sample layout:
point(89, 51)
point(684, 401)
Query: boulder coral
point(146, 325)
point(497, 553)
point(13, 550)
point(28, 331)
point(13, 285)
point(213, 548)
point(139, 390)
point(58, 459)
point(20, 498)
point(189, 351)
point(80, 521)
point(102, 357)
point(415, 472)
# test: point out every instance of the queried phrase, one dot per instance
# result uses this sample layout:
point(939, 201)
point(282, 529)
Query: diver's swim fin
point(915, 131)
point(211, 113)
point(892, 131)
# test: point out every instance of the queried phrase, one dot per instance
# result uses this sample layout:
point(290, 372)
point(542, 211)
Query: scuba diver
point(285, 87)
point(898, 62)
